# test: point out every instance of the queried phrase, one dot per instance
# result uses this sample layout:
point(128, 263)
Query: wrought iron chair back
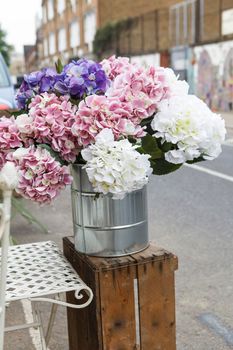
point(49, 264)
point(5, 212)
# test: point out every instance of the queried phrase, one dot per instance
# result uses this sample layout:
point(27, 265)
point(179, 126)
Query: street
point(190, 214)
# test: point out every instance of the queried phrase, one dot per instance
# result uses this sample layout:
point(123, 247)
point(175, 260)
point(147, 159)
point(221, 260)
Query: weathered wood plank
point(118, 309)
point(84, 325)
point(157, 305)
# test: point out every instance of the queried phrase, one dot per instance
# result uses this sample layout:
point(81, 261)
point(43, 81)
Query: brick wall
point(212, 16)
point(113, 10)
point(149, 28)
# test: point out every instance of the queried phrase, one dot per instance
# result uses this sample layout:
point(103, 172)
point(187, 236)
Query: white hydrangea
point(115, 166)
point(177, 87)
point(188, 123)
point(8, 177)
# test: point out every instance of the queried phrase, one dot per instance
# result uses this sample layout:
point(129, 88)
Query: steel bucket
point(104, 226)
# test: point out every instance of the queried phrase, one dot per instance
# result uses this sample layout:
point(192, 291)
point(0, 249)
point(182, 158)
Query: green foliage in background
point(5, 48)
point(107, 35)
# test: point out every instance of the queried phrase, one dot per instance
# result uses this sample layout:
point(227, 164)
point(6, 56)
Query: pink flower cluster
point(96, 113)
point(114, 66)
point(10, 138)
point(53, 118)
point(41, 177)
point(9, 134)
point(142, 88)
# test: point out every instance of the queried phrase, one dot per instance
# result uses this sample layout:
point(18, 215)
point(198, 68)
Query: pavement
point(190, 214)
point(228, 116)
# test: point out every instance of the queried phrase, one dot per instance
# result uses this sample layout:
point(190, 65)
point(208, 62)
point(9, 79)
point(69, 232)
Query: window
point(44, 10)
point(61, 4)
point(227, 22)
point(88, 2)
point(73, 5)
point(52, 44)
point(62, 40)
point(89, 28)
point(182, 18)
point(50, 9)
point(45, 47)
point(74, 34)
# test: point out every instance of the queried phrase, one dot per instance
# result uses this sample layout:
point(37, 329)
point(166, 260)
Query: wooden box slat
point(156, 306)
point(110, 321)
point(117, 317)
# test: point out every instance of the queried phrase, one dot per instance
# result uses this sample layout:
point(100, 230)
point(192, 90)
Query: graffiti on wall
point(228, 79)
point(214, 75)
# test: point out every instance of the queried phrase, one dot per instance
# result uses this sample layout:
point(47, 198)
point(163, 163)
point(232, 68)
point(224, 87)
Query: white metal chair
point(36, 272)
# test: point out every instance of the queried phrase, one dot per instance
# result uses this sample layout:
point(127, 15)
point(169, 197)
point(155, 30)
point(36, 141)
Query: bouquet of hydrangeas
point(122, 121)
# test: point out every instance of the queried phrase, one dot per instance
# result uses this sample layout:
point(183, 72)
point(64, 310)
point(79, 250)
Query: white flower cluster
point(177, 87)
point(115, 166)
point(8, 177)
point(188, 123)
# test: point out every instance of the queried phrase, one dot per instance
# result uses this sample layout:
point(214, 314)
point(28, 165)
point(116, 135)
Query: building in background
point(17, 67)
point(68, 29)
point(69, 26)
point(30, 57)
point(195, 37)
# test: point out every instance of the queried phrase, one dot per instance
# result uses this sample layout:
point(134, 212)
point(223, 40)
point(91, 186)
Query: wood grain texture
point(118, 308)
point(84, 325)
point(109, 323)
point(157, 306)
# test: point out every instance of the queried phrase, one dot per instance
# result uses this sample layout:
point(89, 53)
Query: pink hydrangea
point(53, 118)
point(41, 177)
point(9, 134)
point(141, 88)
point(114, 66)
point(96, 113)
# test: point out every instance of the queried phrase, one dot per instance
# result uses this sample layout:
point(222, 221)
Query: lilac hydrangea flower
point(82, 77)
point(36, 83)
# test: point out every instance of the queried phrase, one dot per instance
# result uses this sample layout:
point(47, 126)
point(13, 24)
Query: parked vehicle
point(7, 100)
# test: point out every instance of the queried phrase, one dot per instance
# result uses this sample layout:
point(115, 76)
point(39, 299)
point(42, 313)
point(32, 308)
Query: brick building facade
point(194, 37)
point(69, 26)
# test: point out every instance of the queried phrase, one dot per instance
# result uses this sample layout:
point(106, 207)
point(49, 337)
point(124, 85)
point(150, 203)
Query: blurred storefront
point(213, 74)
point(182, 62)
point(146, 60)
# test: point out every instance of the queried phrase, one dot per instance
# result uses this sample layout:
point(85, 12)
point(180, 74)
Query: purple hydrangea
point(36, 83)
point(81, 78)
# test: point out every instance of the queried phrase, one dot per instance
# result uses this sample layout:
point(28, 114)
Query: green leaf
point(74, 101)
point(59, 66)
point(196, 160)
point(54, 154)
point(20, 208)
point(146, 121)
point(18, 112)
point(150, 146)
point(167, 146)
point(162, 167)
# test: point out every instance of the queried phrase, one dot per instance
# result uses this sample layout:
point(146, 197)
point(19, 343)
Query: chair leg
point(45, 339)
point(37, 318)
point(51, 323)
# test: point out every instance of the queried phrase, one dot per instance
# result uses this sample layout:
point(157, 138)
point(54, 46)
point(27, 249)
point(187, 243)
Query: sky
point(17, 18)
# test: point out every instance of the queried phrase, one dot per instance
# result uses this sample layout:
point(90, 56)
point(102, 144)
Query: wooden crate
point(134, 301)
